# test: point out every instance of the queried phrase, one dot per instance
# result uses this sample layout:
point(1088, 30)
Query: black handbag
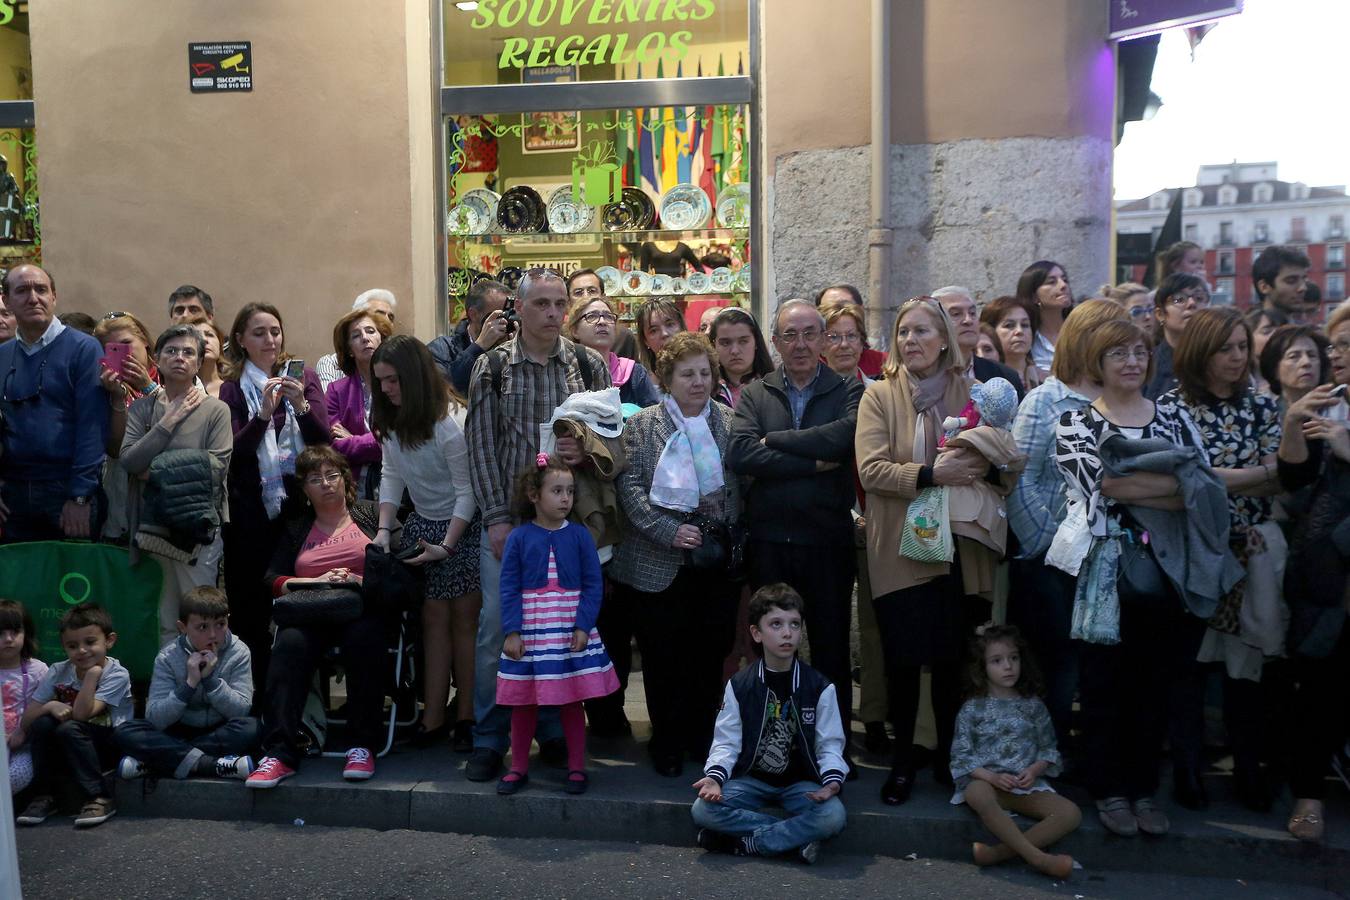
point(390, 583)
point(337, 605)
point(1138, 575)
point(722, 548)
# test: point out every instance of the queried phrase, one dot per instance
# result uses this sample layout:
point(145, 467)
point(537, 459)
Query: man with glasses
point(55, 419)
point(483, 327)
point(960, 307)
point(513, 390)
point(793, 437)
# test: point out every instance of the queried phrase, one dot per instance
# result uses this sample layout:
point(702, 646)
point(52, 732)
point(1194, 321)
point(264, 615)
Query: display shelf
point(591, 237)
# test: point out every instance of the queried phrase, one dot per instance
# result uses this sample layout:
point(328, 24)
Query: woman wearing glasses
point(420, 425)
point(926, 612)
point(1137, 300)
point(1126, 679)
point(180, 416)
point(844, 337)
point(1179, 297)
point(593, 323)
point(324, 541)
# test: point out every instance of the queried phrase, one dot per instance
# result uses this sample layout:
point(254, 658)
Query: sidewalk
point(426, 791)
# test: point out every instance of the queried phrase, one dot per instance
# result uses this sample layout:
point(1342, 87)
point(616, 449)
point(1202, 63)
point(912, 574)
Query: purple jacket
point(346, 404)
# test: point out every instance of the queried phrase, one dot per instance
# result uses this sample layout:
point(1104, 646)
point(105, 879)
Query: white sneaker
point(131, 768)
point(234, 766)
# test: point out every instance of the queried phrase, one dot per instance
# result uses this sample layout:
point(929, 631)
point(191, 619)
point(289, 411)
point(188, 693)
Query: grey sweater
point(226, 693)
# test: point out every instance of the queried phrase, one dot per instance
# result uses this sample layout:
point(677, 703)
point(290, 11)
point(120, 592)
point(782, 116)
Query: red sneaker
point(360, 764)
point(270, 772)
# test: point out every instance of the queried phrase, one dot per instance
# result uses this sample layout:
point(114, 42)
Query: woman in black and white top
point(1125, 686)
point(420, 425)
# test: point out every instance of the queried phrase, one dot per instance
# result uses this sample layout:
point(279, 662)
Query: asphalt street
point(154, 858)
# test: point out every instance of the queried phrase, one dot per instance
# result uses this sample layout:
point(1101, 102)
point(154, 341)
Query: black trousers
point(1040, 603)
point(823, 575)
point(1126, 690)
point(684, 633)
point(615, 624)
point(248, 550)
point(1321, 716)
point(81, 749)
point(364, 646)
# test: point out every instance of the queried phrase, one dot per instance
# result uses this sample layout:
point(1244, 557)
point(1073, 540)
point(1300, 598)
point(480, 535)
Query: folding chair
point(402, 694)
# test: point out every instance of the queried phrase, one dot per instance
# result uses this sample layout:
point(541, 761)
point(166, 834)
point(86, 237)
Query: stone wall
point(972, 212)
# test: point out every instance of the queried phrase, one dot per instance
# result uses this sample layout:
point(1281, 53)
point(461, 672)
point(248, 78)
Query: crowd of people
point(1083, 518)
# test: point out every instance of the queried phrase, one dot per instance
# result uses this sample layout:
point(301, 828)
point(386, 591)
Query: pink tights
point(524, 719)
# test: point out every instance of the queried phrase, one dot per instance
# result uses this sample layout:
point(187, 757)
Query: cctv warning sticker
point(220, 66)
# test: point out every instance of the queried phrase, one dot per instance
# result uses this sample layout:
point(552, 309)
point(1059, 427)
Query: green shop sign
point(616, 48)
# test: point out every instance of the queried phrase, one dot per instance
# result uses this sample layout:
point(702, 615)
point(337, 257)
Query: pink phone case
point(115, 356)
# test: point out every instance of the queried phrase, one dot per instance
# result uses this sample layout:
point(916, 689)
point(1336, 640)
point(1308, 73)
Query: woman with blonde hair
point(926, 611)
point(1041, 600)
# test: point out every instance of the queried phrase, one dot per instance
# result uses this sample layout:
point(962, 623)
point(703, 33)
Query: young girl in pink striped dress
point(551, 589)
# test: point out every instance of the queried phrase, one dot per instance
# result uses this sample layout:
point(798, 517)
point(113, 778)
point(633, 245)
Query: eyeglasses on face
point(792, 337)
point(1199, 298)
point(1120, 354)
point(595, 318)
point(590, 290)
point(851, 337)
point(185, 352)
point(321, 480)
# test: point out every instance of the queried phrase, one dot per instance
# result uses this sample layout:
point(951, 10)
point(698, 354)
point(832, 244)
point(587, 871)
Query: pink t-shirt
point(322, 551)
point(13, 697)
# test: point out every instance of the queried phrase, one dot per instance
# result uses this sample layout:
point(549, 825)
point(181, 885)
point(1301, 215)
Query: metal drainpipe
point(880, 237)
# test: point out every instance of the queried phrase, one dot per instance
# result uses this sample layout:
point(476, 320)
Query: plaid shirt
point(503, 430)
point(1036, 504)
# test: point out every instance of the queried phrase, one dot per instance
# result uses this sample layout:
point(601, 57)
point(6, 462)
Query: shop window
point(20, 230)
point(592, 158)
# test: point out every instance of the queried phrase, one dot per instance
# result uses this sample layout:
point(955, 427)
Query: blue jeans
point(35, 511)
point(175, 750)
point(739, 815)
point(493, 723)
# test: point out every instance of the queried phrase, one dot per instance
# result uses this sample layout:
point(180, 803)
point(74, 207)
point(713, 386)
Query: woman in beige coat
point(926, 612)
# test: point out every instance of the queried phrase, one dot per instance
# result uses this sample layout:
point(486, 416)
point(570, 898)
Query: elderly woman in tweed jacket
point(684, 617)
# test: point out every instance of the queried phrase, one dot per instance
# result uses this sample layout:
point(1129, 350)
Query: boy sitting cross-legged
point(779, 740)
point(71, 717)
point(196, 718)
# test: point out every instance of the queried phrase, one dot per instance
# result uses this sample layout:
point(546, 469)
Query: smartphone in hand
point(115, 356)
point(295, 368)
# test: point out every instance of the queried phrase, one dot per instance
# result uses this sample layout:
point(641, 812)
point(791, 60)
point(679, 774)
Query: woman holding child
point(685, 615)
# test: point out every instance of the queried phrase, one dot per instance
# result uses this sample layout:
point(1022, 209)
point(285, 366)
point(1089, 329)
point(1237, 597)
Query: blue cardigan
point(525, 566)
point(60, 436)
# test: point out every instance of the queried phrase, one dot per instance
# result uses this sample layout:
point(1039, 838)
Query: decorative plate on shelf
point(678, 285)
point(733, 206)
point(522, 211)
point(685, 207)
point(699, 283)
point(722, 280)
point(612, 279)
point(743, 279)
point(633, 212)
point(474, 213)
point(567, 215)
point(637, 283)
point(660, 285)
point(510, 276)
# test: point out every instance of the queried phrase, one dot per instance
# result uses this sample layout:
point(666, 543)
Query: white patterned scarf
point(690, 466)
point(277, 452)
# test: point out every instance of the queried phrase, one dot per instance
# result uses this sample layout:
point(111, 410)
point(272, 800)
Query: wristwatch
point(80, 501)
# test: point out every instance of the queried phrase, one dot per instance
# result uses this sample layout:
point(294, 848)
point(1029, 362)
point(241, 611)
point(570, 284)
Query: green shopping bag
point(49, 577)
point(928, 531)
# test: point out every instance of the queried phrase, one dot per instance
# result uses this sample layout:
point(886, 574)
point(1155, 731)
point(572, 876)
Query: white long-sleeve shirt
point(436, 473)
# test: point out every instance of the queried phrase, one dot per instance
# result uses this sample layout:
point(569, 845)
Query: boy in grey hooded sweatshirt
point(197, 720)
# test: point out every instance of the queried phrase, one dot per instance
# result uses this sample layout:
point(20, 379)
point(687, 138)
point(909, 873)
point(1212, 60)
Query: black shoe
point(553, 753)
point(483, 765)
point(668, 765)
point(462, 740)
point(1188, 790)
point(717, 842)
point(897, 787)
point(508, 785)
point(876, 740)
point(423, 737)
point(1252, 792)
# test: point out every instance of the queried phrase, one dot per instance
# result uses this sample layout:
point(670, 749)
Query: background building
point(1235, 210)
